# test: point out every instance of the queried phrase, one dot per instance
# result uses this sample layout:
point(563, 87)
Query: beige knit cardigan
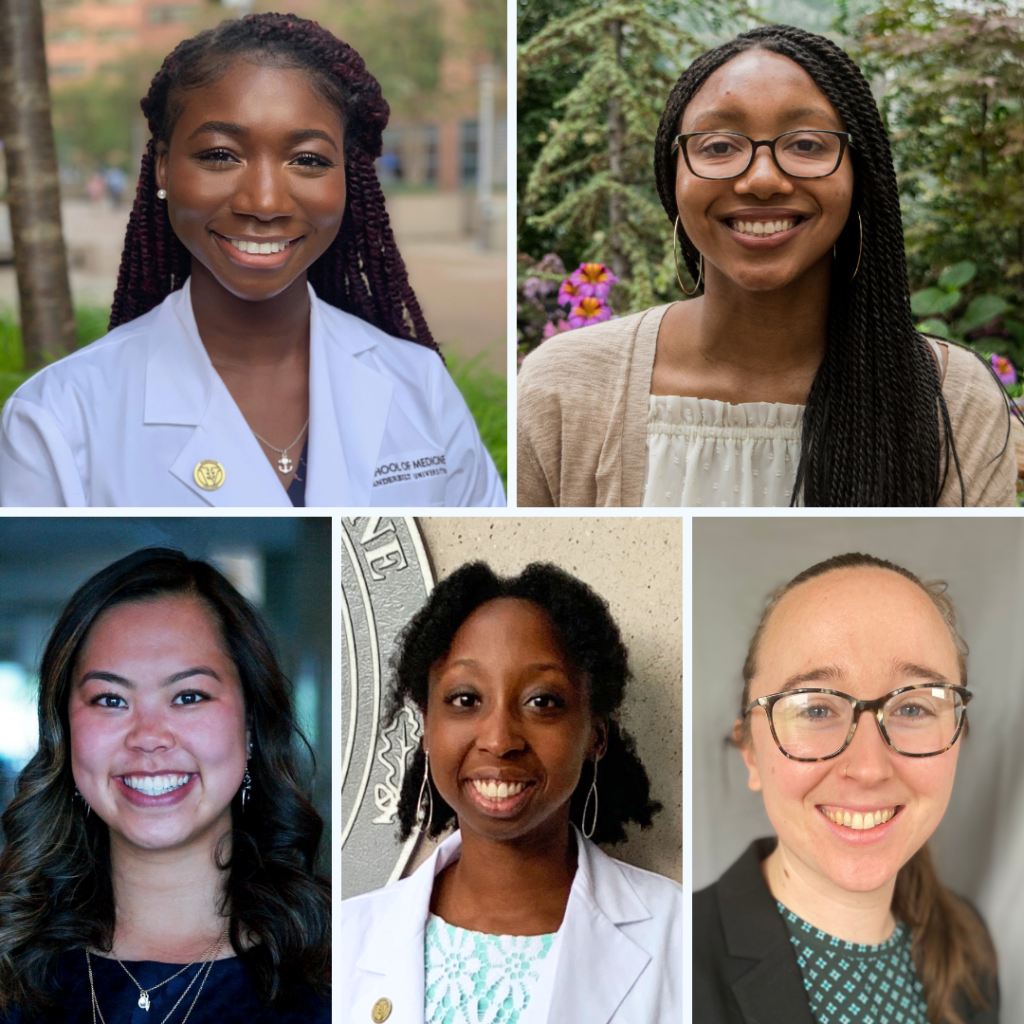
point(583, 399)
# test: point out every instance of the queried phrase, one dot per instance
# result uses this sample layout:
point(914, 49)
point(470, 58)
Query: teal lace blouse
point(474, 978)
point(850, 983)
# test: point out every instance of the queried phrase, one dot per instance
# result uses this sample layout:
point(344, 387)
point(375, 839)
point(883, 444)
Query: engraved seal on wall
point(385, 579)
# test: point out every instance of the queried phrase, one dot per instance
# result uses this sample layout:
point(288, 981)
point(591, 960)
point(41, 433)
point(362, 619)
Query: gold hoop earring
point(675, 259)
point(860, 250)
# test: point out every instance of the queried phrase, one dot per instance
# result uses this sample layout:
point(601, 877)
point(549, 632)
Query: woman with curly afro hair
point(797, 376)
point(518, 916)
point(265, 345)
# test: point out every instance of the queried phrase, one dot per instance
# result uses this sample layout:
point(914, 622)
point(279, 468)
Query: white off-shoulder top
point(703, 452)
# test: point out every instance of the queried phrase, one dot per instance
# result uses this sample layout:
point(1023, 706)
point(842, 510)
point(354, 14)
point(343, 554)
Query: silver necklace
point(284, 464)
point(144, 1003)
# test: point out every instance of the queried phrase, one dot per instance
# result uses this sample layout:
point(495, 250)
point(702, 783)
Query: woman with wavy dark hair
point(797, 376)
point(518, 916)
point(853, 713)
point(160, 849)
point(266, 347)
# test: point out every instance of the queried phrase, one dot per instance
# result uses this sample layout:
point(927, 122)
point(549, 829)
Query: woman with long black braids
point(265, 346)
point(797, 377)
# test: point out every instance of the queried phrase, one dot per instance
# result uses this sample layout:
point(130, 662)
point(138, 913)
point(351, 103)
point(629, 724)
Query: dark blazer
point(744, 967)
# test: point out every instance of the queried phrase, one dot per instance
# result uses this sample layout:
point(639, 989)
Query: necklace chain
point(212, 951)
point(144, 992)
point(284, 464)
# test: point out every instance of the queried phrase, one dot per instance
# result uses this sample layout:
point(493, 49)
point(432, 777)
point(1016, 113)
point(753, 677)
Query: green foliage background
point(949, 79)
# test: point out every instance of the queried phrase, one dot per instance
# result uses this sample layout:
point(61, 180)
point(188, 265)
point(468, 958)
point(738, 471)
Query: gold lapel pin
point(381, 1011)
point(208, 474)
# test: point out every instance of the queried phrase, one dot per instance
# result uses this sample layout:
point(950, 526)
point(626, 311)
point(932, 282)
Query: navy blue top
point(228, 995)
point(297, 488)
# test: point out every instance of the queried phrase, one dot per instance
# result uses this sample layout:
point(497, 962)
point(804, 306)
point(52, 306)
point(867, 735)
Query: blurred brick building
point(439, 151)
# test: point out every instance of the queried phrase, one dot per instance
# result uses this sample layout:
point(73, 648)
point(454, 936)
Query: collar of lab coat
point(184, 389)
point(600, 900)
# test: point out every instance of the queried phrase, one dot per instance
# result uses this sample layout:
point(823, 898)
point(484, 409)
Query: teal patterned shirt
point(850, 983)
point(475, 978)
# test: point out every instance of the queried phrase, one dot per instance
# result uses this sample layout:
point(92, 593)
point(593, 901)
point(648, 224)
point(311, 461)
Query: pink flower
point(551, 329)
point(594, 280)
point(589, 311)
point(568, 293)
point(1004, 369)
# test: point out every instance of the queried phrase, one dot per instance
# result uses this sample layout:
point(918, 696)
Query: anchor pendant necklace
point(284, 464)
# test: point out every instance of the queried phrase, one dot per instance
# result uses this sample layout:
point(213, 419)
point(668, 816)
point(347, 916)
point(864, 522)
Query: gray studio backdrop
point(979, 847)
point(283, 565)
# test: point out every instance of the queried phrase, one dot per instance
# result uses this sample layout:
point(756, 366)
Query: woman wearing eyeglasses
point(853, 709)
point(796, 377)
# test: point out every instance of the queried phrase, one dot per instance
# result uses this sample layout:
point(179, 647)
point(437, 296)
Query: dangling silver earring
point(161, 193)
point(88, 809)
point(860, 250)
point(425, 785)
point(246, 779)
point(592, 792)
point(675, 258)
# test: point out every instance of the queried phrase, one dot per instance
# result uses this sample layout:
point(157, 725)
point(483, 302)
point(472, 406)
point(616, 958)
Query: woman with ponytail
point(796, 376)
point(853, 709)
point(518, 916)
point(265, 345)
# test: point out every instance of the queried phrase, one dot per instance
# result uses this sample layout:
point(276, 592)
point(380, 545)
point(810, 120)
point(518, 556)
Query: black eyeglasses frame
point(845, 139)
point(859, 707)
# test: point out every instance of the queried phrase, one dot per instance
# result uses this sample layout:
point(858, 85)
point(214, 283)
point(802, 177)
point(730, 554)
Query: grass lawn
point(483, 388)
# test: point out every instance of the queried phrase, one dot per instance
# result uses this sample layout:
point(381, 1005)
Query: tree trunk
point(616, 132)
point(33, 186)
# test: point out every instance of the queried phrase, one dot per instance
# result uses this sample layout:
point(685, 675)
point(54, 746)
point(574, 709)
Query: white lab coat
point(125, 421)
point(619, 950)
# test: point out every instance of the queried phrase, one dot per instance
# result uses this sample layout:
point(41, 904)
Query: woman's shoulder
point(660, 894)
point(589, 354)
point(968, 377)
point(357, 336)
point(95, 363)
point(984, 432)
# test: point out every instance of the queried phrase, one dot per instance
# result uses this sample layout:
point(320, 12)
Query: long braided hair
point(362, 271)
point(871, 427)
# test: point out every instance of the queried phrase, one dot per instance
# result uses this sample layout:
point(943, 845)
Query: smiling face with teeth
point(508, 725)
point(764, 230)
point(848, 824)
point(255, 180)
point(158, 724)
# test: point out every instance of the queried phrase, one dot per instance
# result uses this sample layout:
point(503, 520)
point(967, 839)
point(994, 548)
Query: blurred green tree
point(487, 28)
point(950, 83)
point(593, 80)
point(591, 182)
point(402, 42)
point(97, 122)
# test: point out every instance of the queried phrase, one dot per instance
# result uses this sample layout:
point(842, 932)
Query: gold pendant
point(284, 464)
point(144, 1000)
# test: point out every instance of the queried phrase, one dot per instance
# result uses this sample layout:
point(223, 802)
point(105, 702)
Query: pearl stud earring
point(161, 193)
